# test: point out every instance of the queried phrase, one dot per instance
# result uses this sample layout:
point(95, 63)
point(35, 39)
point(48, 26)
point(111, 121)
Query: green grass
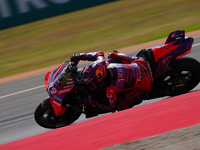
point(106, 27)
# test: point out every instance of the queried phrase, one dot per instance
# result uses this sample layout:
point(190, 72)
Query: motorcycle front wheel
point(183, 76)
point(47, 118)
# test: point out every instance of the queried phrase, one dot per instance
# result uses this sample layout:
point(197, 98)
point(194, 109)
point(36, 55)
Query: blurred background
point(112, 25)
point(40, 33)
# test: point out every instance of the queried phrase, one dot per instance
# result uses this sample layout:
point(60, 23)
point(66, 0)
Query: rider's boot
point(93, 108)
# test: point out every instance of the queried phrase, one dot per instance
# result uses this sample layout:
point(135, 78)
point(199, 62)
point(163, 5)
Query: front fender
point(45, 103)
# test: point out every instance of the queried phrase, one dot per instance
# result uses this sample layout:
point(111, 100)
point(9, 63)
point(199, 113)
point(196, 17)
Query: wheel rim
point(178, 82)
point(51, 120)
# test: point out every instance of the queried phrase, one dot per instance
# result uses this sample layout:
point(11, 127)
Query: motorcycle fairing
point(56, 92)
point(55, 72)
point(180, 34)
point(46, 79)
point(57, 107)
point(161, 52)
point(45, 103)
point(176, 46)
point(58, 70)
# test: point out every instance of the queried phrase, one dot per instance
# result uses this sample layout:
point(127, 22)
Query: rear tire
point(183, 76)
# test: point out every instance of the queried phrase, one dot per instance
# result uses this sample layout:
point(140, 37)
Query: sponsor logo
point(166, 59)
point(173, 35)
point(68, 86)
point(127, 74)
point(64, 91)
point(71, 82)
point(57, 98)
point(56, 103)
point(133, 95)
point(120, 75)
point(99, 70)
point(123, 58)
point(145, 71)
point(24, 6)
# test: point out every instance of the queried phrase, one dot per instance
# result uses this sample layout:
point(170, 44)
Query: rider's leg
point(140, 91)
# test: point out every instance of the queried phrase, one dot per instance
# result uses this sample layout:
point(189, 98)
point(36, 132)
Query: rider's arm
point(86, 56)
point(121, 57)
point(112, 97)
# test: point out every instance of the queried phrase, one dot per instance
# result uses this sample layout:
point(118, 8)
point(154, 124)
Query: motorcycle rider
point(125, 79)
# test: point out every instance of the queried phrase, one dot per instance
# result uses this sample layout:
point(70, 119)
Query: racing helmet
point(95, 74)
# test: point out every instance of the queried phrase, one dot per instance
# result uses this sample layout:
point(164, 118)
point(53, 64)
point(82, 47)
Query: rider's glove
point(75, 58)
point(112, 105)
point(72, 68)
point(89, 101)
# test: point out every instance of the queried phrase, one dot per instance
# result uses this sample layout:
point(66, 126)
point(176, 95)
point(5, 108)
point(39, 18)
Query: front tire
point(47, 118)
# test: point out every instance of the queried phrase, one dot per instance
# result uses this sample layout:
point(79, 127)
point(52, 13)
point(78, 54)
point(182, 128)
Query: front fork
point(45, 103)
point(49, 103)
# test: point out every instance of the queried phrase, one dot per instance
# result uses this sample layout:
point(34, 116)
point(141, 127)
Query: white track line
point(34, 88)
point(2, 123)
point(196, 45)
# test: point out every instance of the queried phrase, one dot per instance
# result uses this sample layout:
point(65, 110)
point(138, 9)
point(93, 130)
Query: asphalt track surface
point(149, 120)
point(20, 98)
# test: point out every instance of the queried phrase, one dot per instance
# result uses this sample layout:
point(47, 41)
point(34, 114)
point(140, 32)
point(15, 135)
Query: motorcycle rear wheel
point(183, 76)
point(47, 118)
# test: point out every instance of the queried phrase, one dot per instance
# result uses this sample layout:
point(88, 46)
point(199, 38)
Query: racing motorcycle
point(66, 91)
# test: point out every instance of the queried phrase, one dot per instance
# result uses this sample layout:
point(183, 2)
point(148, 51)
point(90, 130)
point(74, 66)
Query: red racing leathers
point(129, 80)
point(130, 76)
